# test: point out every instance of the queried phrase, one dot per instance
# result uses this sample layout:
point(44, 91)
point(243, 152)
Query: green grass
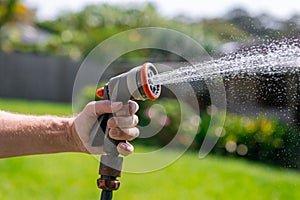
point(35, 107)
point(73, 175)
point(212, 178)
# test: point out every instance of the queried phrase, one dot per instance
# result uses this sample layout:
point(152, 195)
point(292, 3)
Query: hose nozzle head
point(135, 84)
point(149, 90)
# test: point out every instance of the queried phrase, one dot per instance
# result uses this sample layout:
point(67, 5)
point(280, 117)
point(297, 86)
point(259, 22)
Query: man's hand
point(122, 125)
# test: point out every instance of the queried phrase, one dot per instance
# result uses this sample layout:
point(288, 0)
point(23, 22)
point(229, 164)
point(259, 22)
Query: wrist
point(74, 138)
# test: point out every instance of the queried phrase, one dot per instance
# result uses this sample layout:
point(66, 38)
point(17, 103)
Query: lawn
point(73, 175)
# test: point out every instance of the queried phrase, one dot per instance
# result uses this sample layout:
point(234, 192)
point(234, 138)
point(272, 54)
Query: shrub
point(87, 94)
point(178, 122)
point(261, 138)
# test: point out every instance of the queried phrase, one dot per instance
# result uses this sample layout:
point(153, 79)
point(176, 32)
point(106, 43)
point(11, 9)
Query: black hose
point(106, 195)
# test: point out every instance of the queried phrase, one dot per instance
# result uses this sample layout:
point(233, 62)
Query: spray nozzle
point(135, 84)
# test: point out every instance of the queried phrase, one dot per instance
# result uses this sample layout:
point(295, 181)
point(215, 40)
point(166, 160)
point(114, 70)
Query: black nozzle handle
point(100, 132)
point(101, 137)
point(99, 129)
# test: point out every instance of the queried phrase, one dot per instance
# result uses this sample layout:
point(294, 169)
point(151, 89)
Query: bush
point(178, 122)
point(262, 138)
point(87, 94)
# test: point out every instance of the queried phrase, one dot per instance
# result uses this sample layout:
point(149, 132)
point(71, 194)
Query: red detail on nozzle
point(145, 83)
point(99, 92)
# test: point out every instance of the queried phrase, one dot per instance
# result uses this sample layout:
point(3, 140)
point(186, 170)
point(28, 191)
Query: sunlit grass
point(212, 178)
point(73, 175)
point(35, 107)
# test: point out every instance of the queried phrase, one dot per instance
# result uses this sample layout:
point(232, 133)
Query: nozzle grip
point(109, 143)
point(100, 132)
point(102, 136)
point(99, 129)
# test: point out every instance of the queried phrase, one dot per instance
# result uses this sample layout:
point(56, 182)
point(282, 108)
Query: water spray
point(143, 82)
point(135, 84)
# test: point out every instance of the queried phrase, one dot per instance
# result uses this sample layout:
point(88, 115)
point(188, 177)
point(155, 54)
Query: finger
point(123, 122)
point(125, 148)
point(124, 134)
point(106, 106)
point(128, 109)
point(133, 107)
point(124, 111)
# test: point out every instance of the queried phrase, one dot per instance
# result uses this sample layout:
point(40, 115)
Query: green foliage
point(259, 138)
point(74, 35)
point(87, 95)
point(7, 10)
point(178, 122)
point(223, 31)
point(262, 138)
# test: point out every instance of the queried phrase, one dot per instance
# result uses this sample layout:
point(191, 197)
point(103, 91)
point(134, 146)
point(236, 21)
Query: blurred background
point(42, 44)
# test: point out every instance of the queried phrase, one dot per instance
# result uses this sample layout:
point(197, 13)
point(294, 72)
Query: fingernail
point(124, 146)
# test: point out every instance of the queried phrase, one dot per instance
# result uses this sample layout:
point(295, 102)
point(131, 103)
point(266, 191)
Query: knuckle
point(114, 133)
point(123, 134)
point(136, 133)
point(111, 122)
point(132, 133)
point(123, 112)
point(92, 103)
point(135, 119)
point(90, 106)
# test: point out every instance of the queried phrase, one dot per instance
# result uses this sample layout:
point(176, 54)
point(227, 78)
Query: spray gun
point(135, 84)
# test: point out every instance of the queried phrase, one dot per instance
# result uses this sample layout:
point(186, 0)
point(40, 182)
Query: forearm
point(27, 135)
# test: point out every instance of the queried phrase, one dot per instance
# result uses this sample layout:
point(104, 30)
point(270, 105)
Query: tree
point(7, 10)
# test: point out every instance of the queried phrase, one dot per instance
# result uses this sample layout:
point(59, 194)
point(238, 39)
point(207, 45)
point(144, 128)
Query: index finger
point(105, 106)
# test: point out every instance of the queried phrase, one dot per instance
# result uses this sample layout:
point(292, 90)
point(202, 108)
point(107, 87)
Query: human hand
point(122, 125)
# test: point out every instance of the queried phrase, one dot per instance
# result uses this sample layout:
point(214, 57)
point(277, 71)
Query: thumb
point(107, 106)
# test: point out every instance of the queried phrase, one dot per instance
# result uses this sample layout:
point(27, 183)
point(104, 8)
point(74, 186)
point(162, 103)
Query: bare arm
point(27, 135)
